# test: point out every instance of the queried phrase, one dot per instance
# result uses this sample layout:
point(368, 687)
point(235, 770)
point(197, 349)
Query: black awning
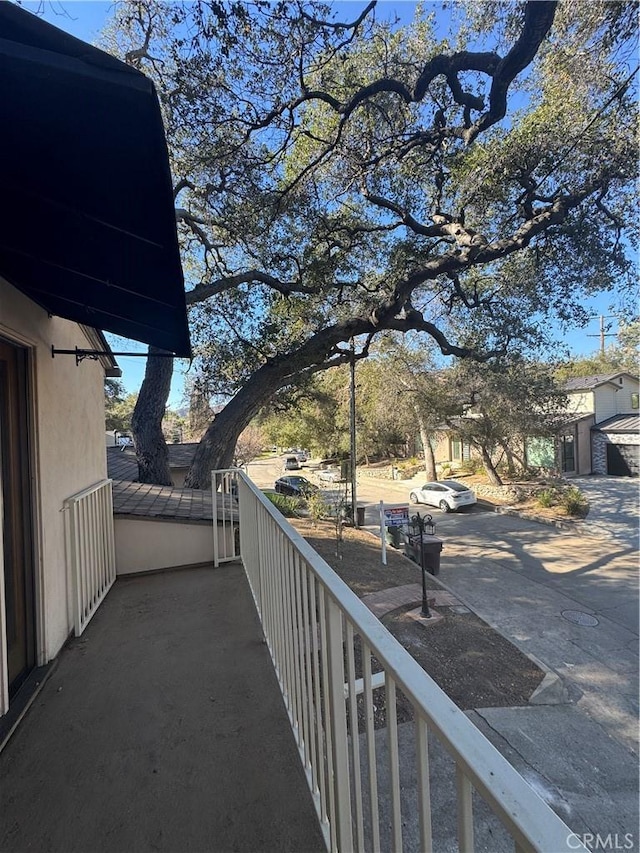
point(88, 225)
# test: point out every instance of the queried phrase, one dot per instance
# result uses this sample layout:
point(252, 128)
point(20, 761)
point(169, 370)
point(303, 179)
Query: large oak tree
point(335, 180)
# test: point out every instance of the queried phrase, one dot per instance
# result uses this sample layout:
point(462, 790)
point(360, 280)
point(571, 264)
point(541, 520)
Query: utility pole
point(352, 430)
point(603, 333)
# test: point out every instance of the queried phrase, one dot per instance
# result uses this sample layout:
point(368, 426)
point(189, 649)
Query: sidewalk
point(581, 757)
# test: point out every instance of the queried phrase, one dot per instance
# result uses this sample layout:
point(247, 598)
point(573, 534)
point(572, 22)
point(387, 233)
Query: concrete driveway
point(614, 506)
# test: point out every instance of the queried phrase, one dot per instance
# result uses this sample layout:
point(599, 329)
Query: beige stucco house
point(90, 244)
point(51, 446)
point(602, 433)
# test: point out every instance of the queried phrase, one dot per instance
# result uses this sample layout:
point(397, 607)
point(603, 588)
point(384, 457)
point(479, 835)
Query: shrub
point(471, 466)
point(547, 497)
point(575, 502)
point(287, 504)
point(318, 507)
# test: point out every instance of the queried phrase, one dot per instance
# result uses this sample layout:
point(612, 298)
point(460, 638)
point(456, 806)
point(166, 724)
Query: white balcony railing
point(90, 549)
point(325, 645)
point(224, 487)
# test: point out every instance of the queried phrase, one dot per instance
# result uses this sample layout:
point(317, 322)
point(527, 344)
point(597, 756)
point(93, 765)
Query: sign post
point(395, 516)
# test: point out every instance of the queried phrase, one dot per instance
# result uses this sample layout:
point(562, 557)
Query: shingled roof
point(133, 499)
point(588, 383)
point(122, 465)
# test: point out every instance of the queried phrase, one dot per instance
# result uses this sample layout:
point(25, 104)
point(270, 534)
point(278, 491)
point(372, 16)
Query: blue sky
point(85, 19)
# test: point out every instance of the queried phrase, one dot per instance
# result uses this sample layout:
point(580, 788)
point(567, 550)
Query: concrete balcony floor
point(162, 728)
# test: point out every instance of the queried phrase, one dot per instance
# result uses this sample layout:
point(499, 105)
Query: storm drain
point(580, 618)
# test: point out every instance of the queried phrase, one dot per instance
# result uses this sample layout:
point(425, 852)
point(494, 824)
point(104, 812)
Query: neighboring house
point(448, 449)
point(602, 435)
point(180, 459)
point(602, 432)
point(89, 242)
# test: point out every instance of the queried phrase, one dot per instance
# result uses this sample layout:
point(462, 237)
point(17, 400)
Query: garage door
point(623, 460)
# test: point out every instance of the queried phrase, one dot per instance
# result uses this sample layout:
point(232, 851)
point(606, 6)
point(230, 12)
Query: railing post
point(90, 550)
point(216, 543)
point(339, 742)
point(464, 793)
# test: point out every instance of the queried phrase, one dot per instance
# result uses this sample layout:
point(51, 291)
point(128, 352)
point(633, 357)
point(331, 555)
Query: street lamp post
point(352, 431)
point(424, 524)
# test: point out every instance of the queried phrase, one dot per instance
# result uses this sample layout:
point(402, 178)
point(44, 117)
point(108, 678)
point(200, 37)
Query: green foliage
point(570, 498)
point(547, 498)
point(505, 401)
point(118, 406)
point(324, 194)
point(575, 502)
point(318, 507)
point(287, 504)
point(471, 466)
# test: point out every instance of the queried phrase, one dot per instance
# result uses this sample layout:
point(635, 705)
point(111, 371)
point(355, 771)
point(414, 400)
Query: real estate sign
point(396, 516)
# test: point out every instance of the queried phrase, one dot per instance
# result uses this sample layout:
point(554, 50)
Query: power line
point(603, 334)
point(618, 92)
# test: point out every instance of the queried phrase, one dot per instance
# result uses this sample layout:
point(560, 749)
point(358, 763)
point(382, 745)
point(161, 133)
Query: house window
point(540, 452)
point(568, 453)
point(635, 399)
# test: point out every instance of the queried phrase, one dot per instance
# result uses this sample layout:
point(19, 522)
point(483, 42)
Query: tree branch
point(201, 292)
point(538, 18)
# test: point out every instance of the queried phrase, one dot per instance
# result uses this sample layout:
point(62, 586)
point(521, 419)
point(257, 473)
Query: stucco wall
point(147, 544)
point(623, 397)
point(605, 398)
point(580, 402)
point(68, 446)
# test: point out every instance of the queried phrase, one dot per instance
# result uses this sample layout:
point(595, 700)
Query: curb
point(551, 690)
point(559, 523)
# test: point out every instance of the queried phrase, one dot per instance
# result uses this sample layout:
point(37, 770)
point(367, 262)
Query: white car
point(449, 495)
point(330, 475)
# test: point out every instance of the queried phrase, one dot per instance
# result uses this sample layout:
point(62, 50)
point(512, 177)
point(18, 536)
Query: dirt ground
point(475, 665)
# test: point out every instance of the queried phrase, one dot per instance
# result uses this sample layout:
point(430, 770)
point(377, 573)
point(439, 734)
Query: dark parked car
point(295, 485)
point(291, 464)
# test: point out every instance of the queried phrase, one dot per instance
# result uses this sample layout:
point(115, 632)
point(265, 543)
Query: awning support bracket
point(95, 354)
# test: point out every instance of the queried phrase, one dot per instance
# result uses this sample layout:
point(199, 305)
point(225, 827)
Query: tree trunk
point(146, 422)
point(218, 444)
point(427, 449)
point(490, 468)
point(512, 467)
point(521, 457)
